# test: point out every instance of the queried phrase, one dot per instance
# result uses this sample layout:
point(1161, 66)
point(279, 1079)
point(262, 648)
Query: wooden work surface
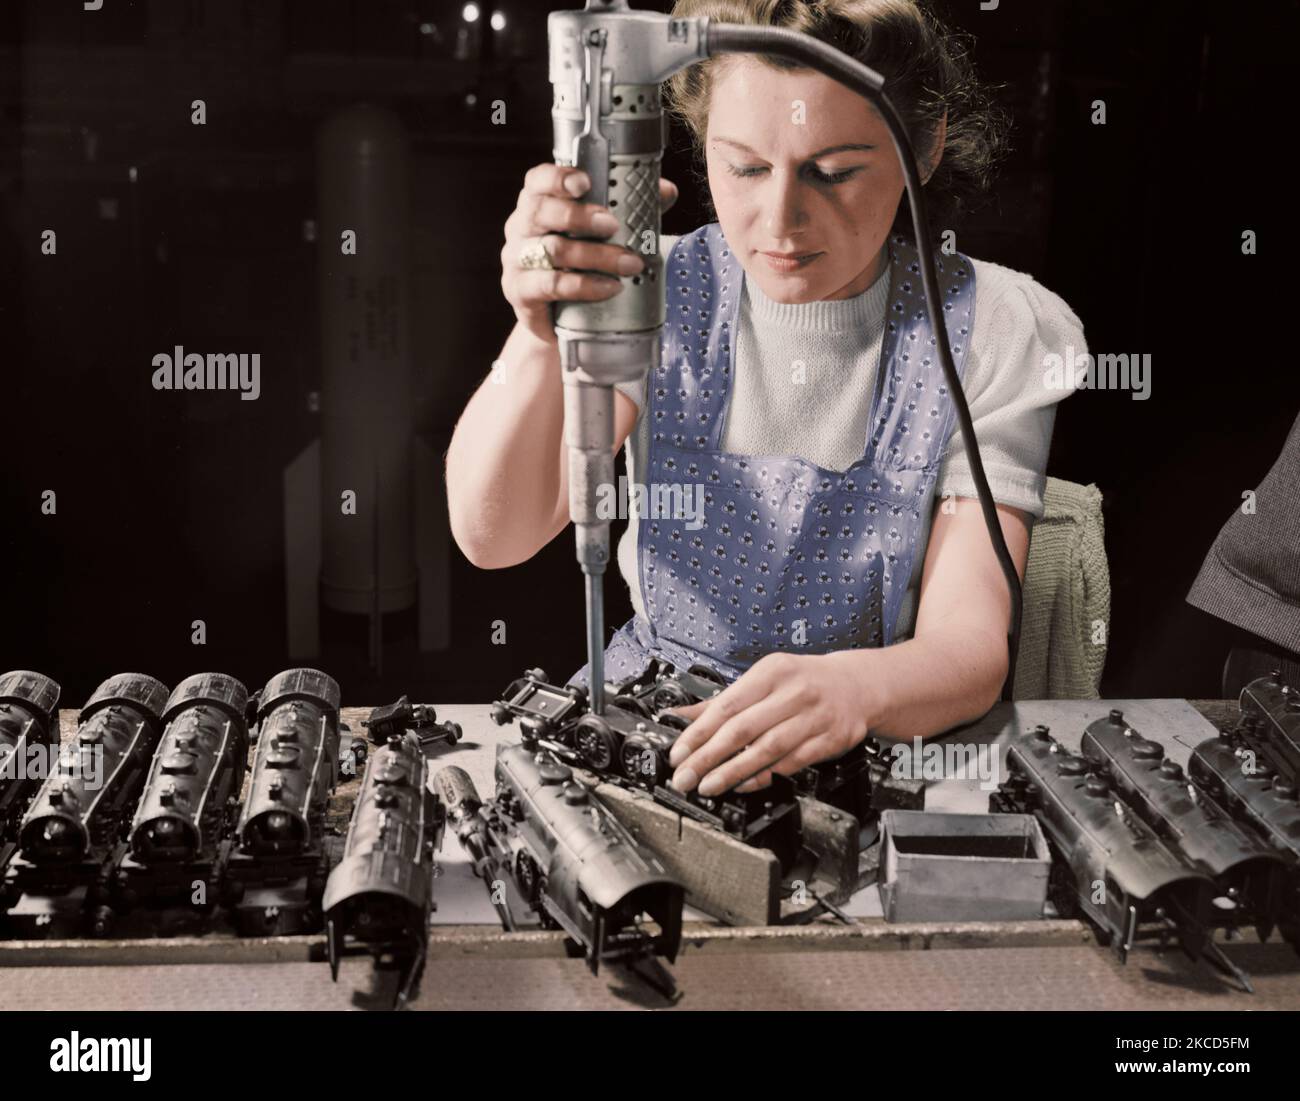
point(473, 955)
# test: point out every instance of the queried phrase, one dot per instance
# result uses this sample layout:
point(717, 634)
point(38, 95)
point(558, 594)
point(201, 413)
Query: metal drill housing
point(606, 65)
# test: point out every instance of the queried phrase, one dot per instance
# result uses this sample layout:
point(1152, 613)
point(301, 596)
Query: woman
point(843, 578)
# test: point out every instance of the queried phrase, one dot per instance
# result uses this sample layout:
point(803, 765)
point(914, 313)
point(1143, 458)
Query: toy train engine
point(625, 745)
point(1249, 790)
point(277, 869)
point(568, 860)
point(1250, 876)
point(860, 782)
point(57, 884)
point(660, 686)
point(1270, 725)
point(178, 838)
point(397, 718)
point(1107, 863)
point(380, 895)
point(29, 737)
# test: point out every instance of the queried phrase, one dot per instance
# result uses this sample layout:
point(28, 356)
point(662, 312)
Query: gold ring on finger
point(534, 257)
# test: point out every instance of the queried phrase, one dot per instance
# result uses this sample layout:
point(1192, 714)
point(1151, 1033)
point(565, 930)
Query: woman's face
point(783, 181)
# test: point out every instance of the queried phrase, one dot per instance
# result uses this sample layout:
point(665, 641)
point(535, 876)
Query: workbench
point(473, 964)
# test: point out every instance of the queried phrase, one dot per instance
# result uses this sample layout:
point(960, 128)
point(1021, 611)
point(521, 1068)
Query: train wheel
point(595, 743)
point(670, 695)
point(641, 762)
point(529, 876)
point(544, 917)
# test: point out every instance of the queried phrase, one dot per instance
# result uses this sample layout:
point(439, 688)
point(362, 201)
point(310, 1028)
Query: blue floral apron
point(791, 556)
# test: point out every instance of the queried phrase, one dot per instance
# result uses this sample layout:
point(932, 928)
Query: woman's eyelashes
point(819, 176)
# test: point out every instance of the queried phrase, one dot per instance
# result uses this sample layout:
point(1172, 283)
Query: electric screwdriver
point(606, 66)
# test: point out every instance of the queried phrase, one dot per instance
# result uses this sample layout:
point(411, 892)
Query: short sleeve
point(636, 389)
point(1012, 395)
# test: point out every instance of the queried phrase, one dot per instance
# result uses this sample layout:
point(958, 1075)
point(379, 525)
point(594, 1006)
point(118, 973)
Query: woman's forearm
point(503, 465)
point(930, 684)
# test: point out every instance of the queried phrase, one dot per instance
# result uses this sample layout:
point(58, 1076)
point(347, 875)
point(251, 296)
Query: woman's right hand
point(549, 206)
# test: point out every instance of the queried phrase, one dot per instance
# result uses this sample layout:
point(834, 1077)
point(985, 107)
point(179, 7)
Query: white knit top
point(821, 415)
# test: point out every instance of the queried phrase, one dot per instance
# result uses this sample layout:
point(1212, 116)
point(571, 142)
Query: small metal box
point(962, 867)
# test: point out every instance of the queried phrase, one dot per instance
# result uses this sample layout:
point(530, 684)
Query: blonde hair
point(927, 70)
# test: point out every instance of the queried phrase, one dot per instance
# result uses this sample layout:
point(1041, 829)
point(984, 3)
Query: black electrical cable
point(723, 38)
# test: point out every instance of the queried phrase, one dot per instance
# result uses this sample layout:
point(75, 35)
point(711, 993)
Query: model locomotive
point(169, 873)
point(1137, 851)
point(1248, 772)
point(29, 735)
point(629, 745)
point(568, 862)
point(278, 867)
point(57, 884)
point(379, 897)
point(1248, 874)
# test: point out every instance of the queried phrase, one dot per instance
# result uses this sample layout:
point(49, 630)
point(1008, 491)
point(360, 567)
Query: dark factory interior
point(174, 509)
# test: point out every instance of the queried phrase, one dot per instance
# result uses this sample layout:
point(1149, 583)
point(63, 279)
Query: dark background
point(170, 506)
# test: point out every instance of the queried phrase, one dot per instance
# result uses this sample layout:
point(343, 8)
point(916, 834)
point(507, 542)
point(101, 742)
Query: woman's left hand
point(784, 713)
